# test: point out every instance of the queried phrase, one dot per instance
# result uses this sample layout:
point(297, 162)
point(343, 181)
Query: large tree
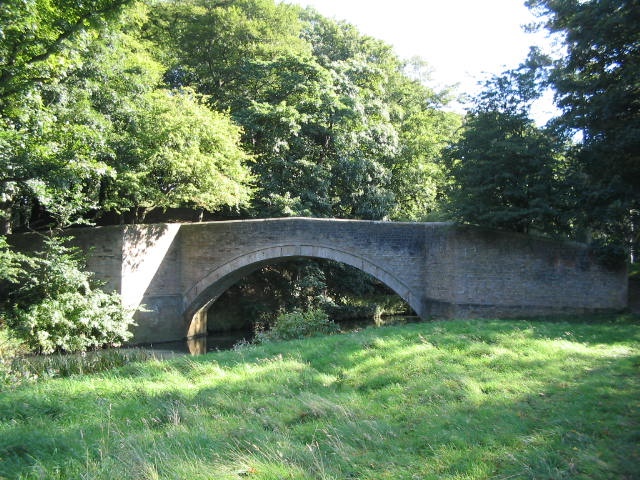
point(322, 106)
point(597, 86)
point(41, 152)
point(507, 172)
point(97, 130)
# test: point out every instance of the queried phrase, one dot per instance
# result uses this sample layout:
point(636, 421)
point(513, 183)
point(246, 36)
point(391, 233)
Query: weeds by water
point(18, 366)
point(453, 400)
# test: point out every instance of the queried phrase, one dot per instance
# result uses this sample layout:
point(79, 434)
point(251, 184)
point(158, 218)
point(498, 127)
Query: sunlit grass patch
point(451, 399)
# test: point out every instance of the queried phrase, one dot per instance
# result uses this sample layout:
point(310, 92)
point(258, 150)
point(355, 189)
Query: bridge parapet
point(441, 270)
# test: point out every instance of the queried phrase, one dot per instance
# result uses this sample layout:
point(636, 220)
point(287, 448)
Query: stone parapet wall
point(502, 274)
point(177, 270)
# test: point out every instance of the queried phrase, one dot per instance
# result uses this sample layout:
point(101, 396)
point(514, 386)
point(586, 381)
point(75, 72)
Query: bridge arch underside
point(199, 298)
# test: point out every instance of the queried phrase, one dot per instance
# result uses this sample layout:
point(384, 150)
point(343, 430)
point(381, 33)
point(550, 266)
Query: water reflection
point(197, 345)
point(203, 344)
point(216, 341)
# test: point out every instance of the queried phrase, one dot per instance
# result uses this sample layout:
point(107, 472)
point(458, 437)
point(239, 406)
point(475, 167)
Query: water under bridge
point(441, 270)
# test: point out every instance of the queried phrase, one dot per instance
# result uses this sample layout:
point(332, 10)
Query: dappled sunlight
point(443, 399)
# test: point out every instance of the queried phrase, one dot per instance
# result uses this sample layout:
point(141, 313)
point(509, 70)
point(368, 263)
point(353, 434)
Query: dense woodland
point(111, 110)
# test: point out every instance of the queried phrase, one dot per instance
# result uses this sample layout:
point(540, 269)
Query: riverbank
point(450, 399)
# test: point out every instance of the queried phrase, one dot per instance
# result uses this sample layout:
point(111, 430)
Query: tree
point(507, 172)
point(176, 152)
point(598, 89)
point(426, 129)
point(39, 39)
point(40, 42)
point(248, 58)
point(318, 102)
point(94, 135)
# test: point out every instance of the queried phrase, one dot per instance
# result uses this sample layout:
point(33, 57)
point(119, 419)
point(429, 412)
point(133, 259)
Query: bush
point(298, 324)
point(55, 306)
point(73, 322)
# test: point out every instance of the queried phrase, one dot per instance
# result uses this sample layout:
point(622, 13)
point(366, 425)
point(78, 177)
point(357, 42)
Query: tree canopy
point(97, 129)
point(597, 85)
point(266, 109)
point(506, 171)
point(323, 107)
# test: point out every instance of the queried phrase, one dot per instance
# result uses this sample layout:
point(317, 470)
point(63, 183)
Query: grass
point(18, 366)
point(485, 399)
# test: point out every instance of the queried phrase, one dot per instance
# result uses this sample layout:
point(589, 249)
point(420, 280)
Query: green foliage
point(36, 36)
point(297, 325)
point(72, 322)
point(117, 106)
point(49, 141)
point(10, 262)
point(100, 132)
point(56, 306)
point(18, 366)
point(322, 106)
point(596, 85)
point(419, 176)
point(507, 172)
point(10, 349)
point(294, 285)
point(175, 153)
point(610, 253)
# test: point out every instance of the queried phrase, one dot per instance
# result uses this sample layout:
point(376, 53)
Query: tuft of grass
point(547, 398)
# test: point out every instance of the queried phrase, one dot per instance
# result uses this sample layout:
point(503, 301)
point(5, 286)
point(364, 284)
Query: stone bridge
point(441, 270)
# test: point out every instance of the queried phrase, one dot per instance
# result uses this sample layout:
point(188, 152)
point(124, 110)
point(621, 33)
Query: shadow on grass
point(529, 399)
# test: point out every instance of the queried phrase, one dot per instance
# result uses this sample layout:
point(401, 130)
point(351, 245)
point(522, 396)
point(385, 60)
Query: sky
point(464, 41)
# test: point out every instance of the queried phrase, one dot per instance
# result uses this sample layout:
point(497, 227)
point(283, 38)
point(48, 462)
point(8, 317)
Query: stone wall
point(502, 274)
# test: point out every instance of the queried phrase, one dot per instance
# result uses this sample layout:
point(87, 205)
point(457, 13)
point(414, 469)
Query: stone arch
point(203, 293)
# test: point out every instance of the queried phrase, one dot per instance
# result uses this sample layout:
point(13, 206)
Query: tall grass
point(452, 400)
point(18, 365)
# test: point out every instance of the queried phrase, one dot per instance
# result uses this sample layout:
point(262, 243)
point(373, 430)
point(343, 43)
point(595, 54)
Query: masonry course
point(442, 270)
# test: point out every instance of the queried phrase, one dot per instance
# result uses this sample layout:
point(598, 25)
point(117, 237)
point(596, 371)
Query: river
point(226, 340)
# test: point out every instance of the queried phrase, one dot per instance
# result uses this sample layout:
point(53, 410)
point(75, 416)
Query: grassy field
point(441, 400)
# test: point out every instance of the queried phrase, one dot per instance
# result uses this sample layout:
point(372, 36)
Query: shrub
point(56, 306)
point(298, 324)
point(73, 322)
